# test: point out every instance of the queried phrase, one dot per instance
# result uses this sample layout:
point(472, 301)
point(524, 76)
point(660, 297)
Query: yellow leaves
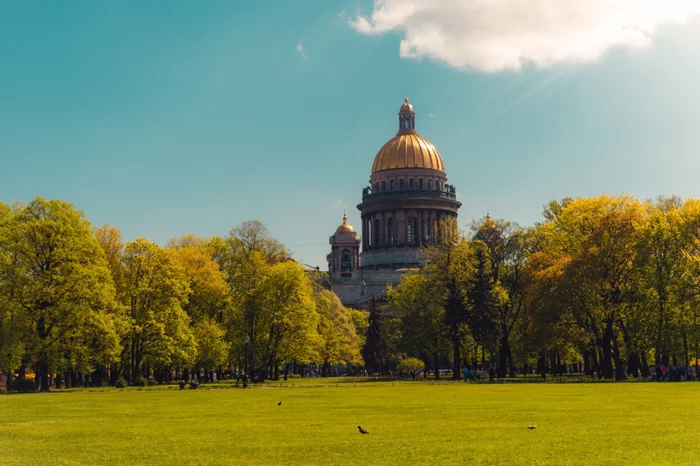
point(209, 291)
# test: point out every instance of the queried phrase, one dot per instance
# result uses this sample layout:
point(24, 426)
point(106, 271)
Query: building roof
point(345, 227)
point(408, 151)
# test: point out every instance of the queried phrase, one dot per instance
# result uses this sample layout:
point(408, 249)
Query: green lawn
point(410, 423)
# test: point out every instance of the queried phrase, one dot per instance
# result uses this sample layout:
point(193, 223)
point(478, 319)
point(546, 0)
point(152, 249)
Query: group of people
point(672, 373)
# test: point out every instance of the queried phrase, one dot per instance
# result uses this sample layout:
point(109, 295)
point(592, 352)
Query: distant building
point(407, 197)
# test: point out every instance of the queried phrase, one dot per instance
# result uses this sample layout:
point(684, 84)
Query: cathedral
point(407, 197)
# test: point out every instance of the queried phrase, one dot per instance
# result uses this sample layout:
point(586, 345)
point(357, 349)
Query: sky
point(172, 117)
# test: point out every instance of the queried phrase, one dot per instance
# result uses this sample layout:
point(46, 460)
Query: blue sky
point(172, 117)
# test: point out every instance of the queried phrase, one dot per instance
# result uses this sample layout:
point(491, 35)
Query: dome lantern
point(407, 118)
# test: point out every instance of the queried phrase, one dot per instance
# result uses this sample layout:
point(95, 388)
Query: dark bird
point(362, 431)
point(533, 427)
point(280, 403)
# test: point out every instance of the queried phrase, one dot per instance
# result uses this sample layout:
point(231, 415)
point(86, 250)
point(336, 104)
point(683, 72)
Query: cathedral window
point(383, 185)
point(345, 261)
point(390, 231)
point(410, 183)
point(430, 185)
point(392, 184)
point(402, 184)
point(377, 234)
point(412, 224)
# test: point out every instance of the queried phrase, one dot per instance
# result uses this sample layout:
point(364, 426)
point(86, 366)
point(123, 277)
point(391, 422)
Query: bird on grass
point(279, 404)
point(533, 427)
point(362, 431)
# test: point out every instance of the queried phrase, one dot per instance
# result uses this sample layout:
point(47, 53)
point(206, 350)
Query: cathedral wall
point(389, 256)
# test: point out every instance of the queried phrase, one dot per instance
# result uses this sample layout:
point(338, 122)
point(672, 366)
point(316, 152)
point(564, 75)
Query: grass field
point(410, 423)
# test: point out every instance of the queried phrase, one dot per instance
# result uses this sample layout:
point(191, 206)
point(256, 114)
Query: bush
point(121, 383)
point(411, 364)
point(293, 376)
point(150, 381)
point(139, 382)
point(21, 386)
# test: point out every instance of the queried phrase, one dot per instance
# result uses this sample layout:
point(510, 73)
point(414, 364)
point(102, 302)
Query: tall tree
point(418, 306)
point(376, 351)
point(58, 276)
point(156, 291)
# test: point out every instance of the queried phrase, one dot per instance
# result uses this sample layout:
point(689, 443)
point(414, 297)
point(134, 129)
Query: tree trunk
point(619, 364)
point(437, 371)
point(645, 365)
point(606, 366)
point(504, 353)
point(542, 363)
point(44, 376)
point(97, 375)
point(633, 364)
point(456, 353)
point(587, 369)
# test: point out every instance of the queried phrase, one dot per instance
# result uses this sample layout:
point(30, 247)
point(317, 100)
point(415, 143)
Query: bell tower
point(344, 259)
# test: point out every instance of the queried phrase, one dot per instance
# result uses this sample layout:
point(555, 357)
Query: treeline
point(608, 283)
point(79, 306)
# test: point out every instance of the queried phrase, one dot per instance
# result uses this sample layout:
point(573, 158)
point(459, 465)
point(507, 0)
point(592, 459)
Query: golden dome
point(345, 228)
point(406, 107)
point(408, 150)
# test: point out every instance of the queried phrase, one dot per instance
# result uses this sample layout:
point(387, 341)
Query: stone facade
point(401, 209)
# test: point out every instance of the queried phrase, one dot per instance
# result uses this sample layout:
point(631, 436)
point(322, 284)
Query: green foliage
point(121, 383)
point(376, 351)
point(21, 386)
point(57, 288)
point(411, 364)
point(157, 288)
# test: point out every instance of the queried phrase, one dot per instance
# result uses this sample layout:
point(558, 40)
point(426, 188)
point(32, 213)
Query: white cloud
point(300, 49)
point(496, 35)
point(431, 115)
point(339, 203)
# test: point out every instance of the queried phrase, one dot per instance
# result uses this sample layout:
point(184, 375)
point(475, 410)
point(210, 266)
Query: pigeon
point(279, 404)
point(362, 431)
point(533, 427)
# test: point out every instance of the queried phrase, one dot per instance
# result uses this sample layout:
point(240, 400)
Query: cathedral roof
point(407, 149)
point(345, 227)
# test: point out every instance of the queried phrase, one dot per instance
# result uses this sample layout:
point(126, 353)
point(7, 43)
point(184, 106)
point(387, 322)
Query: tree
point(411, 364)
point(212, 348)
point(156, 291)
point(339, 339)
point(418, 306)
point(483, 301)
point(508, 247)
point(286, 326)
point(209, 296)
point(594, 241)
point(58, 277)
point(376, 352)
